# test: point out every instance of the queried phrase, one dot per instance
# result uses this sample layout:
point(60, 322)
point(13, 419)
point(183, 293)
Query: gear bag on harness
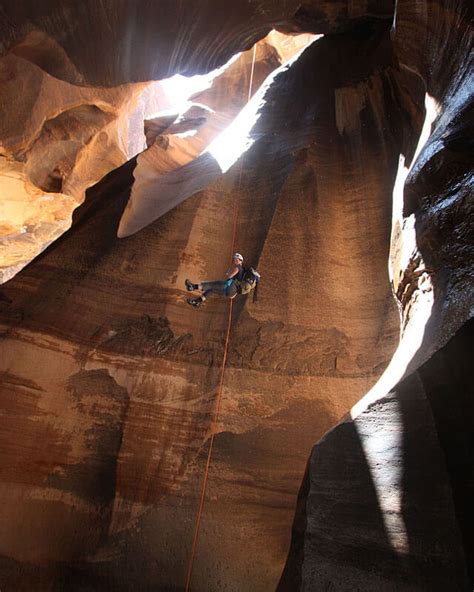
point(249, 282)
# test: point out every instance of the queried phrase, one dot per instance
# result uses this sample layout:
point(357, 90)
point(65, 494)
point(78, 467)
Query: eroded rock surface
point(389, 475)
point(111, 379)
point(190, 40)
point(57, 139)
point(384, 504)
point(378, 502)
point(300, 222)
point(162, 179)
point(61, 136)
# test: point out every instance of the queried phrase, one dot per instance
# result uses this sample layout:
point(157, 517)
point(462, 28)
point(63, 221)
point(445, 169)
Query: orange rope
point(215, 417)
point(209, 454)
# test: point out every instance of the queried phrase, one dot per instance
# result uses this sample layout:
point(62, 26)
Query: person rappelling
point(240, 280)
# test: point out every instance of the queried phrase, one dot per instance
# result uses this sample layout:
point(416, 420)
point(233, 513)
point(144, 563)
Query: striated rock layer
point(384, 503)
point(148, 41)
point(109, 322)
point(56, 140)
point(176, 163)
point(109, 379)
point(59, 136)
point(377, 510)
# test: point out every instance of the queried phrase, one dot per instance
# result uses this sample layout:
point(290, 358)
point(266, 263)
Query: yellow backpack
point(249, 281)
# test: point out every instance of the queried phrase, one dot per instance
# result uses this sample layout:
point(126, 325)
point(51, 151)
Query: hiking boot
point(189, 285)
point(196, 302)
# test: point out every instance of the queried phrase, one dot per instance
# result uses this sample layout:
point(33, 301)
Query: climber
point(239, 280)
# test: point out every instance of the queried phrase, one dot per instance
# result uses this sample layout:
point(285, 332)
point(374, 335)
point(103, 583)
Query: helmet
point(237, 256)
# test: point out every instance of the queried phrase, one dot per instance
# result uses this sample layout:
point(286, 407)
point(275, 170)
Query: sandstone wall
point(109, 379)
point(402, 484)
point(109, 322)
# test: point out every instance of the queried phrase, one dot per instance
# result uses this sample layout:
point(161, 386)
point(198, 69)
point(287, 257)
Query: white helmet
point(238, 256)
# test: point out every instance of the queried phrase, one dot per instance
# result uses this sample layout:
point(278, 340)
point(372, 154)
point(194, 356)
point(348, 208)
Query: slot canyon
point(317, 438)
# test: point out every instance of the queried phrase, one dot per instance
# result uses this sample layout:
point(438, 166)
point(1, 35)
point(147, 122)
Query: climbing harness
point(215, 416)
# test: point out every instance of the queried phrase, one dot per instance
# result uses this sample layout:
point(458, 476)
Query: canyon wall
point(109, 378)
point(60, 135)
point(390, 473)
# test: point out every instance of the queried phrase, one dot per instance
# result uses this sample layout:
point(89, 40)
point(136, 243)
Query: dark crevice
point(448, 378)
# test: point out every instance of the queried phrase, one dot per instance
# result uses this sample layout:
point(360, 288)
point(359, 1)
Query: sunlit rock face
point(173, 142)
point(57, 139)
point(62, 131)
point(384, 504)
point(391, 474)
point(109, 379)
point(59, 136)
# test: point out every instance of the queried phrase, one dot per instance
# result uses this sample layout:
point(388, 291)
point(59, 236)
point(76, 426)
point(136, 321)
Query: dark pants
point(219, 287)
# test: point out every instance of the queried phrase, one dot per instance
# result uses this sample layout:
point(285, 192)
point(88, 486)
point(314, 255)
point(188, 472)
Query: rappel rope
point(215, 416)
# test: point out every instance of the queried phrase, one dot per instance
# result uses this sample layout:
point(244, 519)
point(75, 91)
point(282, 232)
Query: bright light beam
point(387, 438)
